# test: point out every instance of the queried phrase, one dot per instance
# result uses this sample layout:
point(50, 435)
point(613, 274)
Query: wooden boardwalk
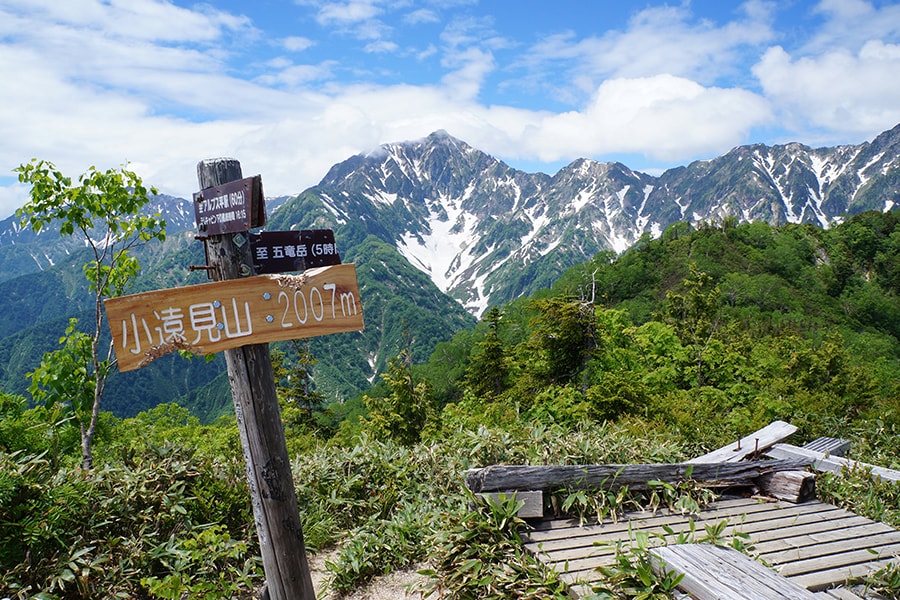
point(814, 544)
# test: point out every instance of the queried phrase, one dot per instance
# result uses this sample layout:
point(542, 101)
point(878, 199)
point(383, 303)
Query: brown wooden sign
point(296, 250)
point(230, 207)
point(211, 317)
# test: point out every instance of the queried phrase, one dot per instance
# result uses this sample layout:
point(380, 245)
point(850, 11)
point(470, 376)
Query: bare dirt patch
point(394, 586)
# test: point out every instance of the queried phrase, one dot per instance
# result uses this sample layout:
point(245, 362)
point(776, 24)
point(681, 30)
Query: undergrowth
point(159, 525)
point(169, 521)
point(479, 555)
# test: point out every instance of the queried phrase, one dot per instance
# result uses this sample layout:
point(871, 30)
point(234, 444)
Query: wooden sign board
point(231, 207)
point(211, 317)
point(296, 250)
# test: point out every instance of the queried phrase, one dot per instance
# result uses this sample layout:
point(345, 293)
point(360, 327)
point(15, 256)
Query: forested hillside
point(440, 232)
point(712, 331)
point(680, 345)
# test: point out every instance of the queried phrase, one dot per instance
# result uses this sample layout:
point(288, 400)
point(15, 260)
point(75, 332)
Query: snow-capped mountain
point(436, 226)
point(486, 233)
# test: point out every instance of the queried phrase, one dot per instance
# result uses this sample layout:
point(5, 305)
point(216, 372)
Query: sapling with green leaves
point(105, 210)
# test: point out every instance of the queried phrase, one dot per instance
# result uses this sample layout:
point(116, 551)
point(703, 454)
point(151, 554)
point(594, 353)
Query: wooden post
point(259, 421)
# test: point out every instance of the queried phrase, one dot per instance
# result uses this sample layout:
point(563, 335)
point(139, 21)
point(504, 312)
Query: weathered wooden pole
point(259, 421)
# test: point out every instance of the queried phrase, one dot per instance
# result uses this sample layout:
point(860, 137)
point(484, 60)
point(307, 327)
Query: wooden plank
point(828, 546)
point(832, 464)
point(794, 536)
point(713, 573)
point(211, 317)
point(790, 537)
point(598, 549)
point(817, 534)
point(842, 560)
point(746, 512)
point(829, 445)
point(815, 544)
point(718, 505)
point(747, 446)
point(820, 580)
point(527, 477)
point(837, 593)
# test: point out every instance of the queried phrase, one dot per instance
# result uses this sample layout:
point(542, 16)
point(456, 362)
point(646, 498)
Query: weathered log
point(524, 477)
point(790, 486)
point(750, 445)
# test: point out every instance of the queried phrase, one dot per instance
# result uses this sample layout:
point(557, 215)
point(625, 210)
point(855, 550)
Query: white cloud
point(381, 47)
point(665, 117)
point(297, 43)
point(840, 90)
point(347, 13)
point(472, 66)
point(133, 19)
point(421, 15)
point(665, 39)
point(852, 23)
point(80, 89)
point(12, 197)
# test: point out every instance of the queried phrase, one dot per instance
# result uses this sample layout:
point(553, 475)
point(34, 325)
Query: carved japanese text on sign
point(281, 251)
point(212, 317)
point(231, 207)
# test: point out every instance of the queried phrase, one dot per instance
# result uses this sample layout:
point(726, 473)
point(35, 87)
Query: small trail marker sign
point(210, 317)
point(296, 250)
point(230, 207)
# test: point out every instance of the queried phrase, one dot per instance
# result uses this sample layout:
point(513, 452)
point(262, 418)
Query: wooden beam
point(790, 486)
point(750, 445)
point(826, 463)
point(259, 422)
point(533, 502)
point(713, 573)
point(524, 477)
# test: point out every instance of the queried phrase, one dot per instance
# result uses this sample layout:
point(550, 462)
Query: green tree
point(696, 316)
point(294, 384)
point(488, 373)
point(404, 412)
point(104, 210)
point(565, 337)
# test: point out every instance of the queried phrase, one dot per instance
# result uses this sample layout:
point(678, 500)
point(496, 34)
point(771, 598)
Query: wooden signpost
point(240, 313)
point(212, 317)
point(231, 207)
point(296, 250)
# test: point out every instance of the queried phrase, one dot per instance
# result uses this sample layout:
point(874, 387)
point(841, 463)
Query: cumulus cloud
point(108, 81)
point(840, 91)
point(664, 116)
point(850, 24)
point(346, 13)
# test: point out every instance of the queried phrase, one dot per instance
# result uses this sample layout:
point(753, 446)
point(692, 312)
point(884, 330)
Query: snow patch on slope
point(441, 252)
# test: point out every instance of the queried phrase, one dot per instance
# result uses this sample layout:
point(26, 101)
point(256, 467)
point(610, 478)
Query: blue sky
point(292, 87)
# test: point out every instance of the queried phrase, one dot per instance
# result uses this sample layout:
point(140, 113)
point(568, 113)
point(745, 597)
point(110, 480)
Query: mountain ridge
point(440, 231)
point(474, 224)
